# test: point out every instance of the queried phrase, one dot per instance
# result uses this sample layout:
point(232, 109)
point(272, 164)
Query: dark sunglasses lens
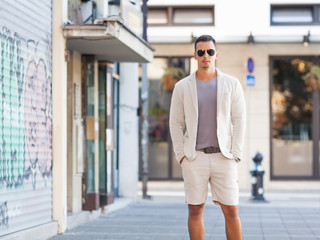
point(200, 53)
point(210, 52)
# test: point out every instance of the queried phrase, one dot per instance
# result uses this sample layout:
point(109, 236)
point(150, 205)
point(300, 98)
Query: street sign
point(250, 65)
point(251, 80)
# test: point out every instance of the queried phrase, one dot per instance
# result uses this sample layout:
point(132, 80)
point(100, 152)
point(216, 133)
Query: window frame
point(170, 12)
point(159, 9)
point(315, 160)
point(315, 13)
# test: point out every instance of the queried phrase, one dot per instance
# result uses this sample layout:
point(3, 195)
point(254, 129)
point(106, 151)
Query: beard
point(205, 67)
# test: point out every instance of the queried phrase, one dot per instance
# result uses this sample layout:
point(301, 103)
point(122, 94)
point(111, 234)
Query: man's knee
point(230, 212)
point(196, 210)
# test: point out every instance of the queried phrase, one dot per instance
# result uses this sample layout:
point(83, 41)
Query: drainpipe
point(145, 108)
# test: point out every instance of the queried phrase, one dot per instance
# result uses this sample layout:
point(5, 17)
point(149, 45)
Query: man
point(207, 126)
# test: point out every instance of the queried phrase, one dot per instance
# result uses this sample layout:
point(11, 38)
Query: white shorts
point(216, 169)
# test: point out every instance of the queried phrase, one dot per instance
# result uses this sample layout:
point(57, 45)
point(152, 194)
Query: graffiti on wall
point(25, 110)
point(4, 214)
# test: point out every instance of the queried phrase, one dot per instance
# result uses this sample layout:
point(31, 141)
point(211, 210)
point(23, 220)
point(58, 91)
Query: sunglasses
point(202, 52)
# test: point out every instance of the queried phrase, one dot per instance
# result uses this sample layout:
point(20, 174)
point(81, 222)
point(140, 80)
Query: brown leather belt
point(208, 150)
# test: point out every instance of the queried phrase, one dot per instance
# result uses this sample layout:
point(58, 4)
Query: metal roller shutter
point(25, 114)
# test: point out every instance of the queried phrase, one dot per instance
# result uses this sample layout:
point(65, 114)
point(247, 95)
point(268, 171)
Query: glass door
point(102, 134)
point(90, 196)
point(109, 130)
point(116, 133)
point(106, 144)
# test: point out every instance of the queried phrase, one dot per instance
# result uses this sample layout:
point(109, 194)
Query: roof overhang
point(109, 40)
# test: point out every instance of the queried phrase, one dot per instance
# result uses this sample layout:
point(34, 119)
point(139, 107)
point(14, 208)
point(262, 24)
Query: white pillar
point(59, 104)
point(128, 130)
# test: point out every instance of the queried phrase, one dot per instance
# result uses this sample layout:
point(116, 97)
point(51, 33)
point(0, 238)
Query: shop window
point(294, 118)
point(161, 162)
point(295, 15)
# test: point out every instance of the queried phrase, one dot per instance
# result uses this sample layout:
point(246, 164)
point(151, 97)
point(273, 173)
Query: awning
point(109, 40)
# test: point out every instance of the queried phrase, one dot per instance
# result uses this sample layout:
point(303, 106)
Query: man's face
point(206, 61)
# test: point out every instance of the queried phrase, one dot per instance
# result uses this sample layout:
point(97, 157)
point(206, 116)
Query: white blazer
point(231, 117)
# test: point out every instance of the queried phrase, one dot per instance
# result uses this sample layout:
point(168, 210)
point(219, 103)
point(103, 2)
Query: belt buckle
point(211, 150)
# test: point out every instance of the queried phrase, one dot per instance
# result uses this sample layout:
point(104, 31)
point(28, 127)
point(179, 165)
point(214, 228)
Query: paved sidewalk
point(287, 215)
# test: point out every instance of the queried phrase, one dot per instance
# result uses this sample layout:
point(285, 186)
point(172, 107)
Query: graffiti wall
point(25, 114)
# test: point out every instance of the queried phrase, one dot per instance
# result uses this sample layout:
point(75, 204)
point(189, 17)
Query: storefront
point(282, 110)
point(104, 94)
point(100, 91)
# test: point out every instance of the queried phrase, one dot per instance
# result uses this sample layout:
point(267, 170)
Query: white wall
point(128, 130)
point(234, 20)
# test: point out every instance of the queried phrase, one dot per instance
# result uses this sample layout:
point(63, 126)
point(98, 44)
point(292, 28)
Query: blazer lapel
point(193, 91)
point(220, 90)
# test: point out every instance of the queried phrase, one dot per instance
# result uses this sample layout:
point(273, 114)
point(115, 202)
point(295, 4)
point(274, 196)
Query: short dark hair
point(204, 38)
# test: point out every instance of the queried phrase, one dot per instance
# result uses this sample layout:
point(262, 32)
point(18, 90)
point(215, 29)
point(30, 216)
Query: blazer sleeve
point(238, 120)
point(177, 122)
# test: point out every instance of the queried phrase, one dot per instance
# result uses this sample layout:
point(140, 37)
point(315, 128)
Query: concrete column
point(128, 130)
point(75, 134)
point(70, 98)
point(59, 104)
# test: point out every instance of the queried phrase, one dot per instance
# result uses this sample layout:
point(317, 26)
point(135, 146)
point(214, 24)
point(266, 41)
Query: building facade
point(273, 48)
point(69, 72)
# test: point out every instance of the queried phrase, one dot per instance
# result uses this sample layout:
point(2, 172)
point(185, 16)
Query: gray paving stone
point(272, 225)
point(276, 234)
point(276, 238)
point(166, 219)
point(253, 237)
point(307, 233)
point(304, 238)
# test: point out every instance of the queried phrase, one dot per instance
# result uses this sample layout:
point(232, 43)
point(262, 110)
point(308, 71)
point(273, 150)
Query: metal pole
point(315, 131)
point(145, 108)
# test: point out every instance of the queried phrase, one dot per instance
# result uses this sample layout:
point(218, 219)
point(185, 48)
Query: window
point(177, 15)
point(294, 118)
point(192, 16)
point(162, 163)
point(301, 15)
point(157, 16)
point(295, 15)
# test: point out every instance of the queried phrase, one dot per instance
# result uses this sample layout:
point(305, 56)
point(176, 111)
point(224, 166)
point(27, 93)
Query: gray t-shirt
point(207, 114)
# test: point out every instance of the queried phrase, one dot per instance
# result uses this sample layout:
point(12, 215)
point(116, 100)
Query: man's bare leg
point(195, 222)
point(232, 222)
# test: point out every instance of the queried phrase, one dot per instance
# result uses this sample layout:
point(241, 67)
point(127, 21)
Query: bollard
point(257, 178)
